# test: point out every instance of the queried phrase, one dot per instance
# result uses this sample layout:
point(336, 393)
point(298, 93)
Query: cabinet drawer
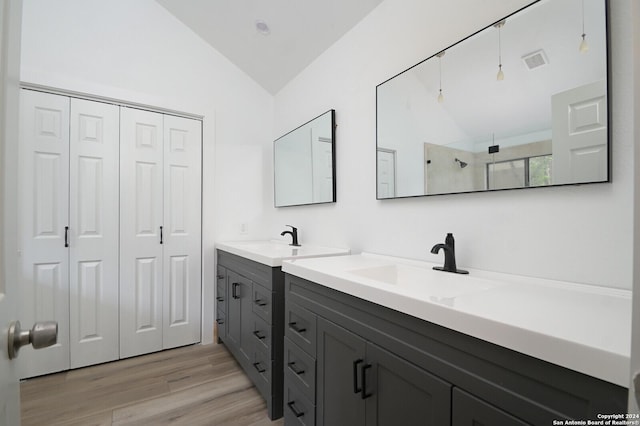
point(300, 368)
point(261, 302)
point(300, 327)
point(298, 410)
point(261, 332)
point(221, 319)
point(221, 283)
point(261, 367)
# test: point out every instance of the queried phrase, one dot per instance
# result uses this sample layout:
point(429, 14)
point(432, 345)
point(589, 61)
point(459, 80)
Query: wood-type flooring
point(193, 385)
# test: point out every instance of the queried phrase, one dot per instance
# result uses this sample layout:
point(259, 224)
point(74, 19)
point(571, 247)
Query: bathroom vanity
point(378, 340)
point(250, 309)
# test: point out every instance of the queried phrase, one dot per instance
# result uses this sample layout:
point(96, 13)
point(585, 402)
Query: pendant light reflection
point(440, 95)
point(584, 46)
point(499, 25)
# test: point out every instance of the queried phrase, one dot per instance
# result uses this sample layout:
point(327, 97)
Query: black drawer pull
point(234, 290)
point(220, 321)
point(257, 334)
point(295, 328)
point(220, 277)
point(356, 389)
point(220, 299)
point(257, 367)
point(363, 373)
point(292, 367)
point(259, 302)
point(66, 236)
point(295, 412)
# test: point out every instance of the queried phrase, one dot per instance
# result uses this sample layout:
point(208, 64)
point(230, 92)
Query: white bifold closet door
point(93, 234)
point(160, 284)
point(69, 229)
point(44, 216)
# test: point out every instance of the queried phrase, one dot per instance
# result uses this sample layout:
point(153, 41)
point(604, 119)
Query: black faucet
point(449, 248)
point(294, 235)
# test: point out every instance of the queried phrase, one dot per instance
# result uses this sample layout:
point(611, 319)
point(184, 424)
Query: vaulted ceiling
point(298, 31)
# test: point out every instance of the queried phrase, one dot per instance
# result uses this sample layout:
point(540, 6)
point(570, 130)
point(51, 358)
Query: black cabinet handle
point(220, 277)
point(363, 373)
point(356, 389)
point(220, 299)
point(294, 327)
point(220, 321)
point(256, 365)
point(292, 367)
point(234, 290)
point(257, 334)
point(66, 236)
point(259, 302)
point(161, 235)
point(295, 412)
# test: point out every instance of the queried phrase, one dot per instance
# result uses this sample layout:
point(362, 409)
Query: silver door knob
point(42, 335)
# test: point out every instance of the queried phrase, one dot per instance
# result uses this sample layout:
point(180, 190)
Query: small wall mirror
point(304, 163)
point(522, 103)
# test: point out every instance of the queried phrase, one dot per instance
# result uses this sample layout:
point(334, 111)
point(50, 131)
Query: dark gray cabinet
point(250, 315)
point(353, 362)
point(472, 411)
point(340, 357)
point(360, 383)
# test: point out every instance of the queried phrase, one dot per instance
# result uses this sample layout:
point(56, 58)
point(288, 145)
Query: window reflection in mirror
point(521, 103)
point(304, 163)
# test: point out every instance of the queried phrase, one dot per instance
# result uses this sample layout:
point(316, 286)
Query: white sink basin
point(272, 253)
point(437, 286)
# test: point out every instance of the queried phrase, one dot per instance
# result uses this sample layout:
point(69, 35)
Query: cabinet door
point(94, 232)
point(239, 325)
point(181, 231)
point(400, 393)
point(340, 357)
point(141, 203)
point(44, 216)
point(471, 411)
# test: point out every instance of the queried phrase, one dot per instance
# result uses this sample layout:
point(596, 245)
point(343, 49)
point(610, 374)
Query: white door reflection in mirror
point(386, 173)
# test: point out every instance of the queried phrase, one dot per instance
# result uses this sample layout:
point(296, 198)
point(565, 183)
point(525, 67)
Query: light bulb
point(584, 46)
point(500, 75)
point(440, 97)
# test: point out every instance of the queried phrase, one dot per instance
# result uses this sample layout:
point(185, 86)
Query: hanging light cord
point(583, 33)
point(440, 66)
point(500, 47)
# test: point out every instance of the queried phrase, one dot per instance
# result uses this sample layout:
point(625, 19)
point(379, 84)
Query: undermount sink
point(440, 287)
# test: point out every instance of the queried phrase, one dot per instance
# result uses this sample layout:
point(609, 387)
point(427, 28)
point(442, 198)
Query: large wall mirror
point(522, 103)
point(304, 163)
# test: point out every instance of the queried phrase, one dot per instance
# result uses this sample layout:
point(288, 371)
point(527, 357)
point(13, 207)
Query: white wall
point(575, 233)
point(136, 51)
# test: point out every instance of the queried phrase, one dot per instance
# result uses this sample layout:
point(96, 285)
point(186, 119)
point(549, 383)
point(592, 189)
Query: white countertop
point(273, 252)
point(581, 327)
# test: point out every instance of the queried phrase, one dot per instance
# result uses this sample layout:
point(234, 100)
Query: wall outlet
point(244, 228)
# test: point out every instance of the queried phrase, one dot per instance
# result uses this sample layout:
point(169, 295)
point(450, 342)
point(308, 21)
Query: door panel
point(94, 232)
point(141, 200)
point(44, 214)
point(386, 173)
point(403, 394)
point(182, 239)
point(471, 411)
point(579, 126)
point(340, 355)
